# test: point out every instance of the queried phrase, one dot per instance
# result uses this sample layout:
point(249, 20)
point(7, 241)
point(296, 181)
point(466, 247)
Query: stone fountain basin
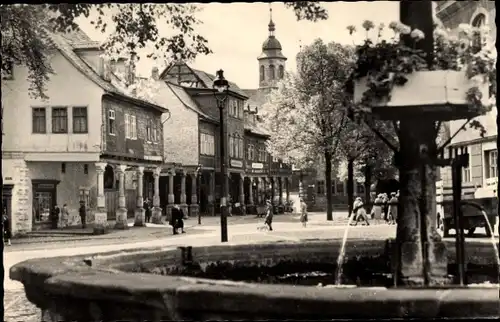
point(101, 287)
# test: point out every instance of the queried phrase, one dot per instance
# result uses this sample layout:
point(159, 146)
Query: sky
point(236, 31)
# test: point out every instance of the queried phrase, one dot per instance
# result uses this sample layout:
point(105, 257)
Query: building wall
point(15, 171)
point(139, 147)
point(205, 160)
point(180, 131)
point(454, 13)
point(67, 87)
point(21, 174)
point(233, 125)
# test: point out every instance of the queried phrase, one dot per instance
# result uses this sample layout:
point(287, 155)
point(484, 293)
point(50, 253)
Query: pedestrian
point(393, 209)
point(385, 206)
point(54, 216)
point(82, 211)
point(7, 235)
point(269, 215)
point(177, 220)
point(377, 207)
point(303, 212)
point(147, 209)
point(64, 216)
point(359, 212)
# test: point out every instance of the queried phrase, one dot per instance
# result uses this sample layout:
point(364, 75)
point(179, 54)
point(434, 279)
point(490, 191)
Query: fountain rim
point(60, 276)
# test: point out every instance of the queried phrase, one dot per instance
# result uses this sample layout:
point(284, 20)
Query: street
point(241, 230)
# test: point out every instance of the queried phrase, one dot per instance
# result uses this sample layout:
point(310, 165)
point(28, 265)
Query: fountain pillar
point(421, 254)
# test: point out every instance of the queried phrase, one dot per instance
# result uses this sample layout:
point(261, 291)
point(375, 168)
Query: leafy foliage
point(308, 111)
point(386, 63)
point(308, 10)
point(26, 31)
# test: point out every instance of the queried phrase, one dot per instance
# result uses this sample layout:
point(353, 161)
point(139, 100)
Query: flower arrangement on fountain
point(388, 63)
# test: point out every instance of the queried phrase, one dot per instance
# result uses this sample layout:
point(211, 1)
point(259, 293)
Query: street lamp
point(221, 87)
point(198, 194)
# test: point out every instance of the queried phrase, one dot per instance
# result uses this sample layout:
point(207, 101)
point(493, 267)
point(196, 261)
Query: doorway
point(7, 202)
point(44, 201)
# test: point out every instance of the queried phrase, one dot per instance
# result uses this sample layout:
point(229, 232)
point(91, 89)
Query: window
point(281, 72)
point(466, 176)
point(478, 22)
point(250, 152)
point(111, 122)
point(231, 144)
point(262, 73)
point(320, 187)
point(340, 188)
point(240, 148)
point(7, 70)
point(130, 127)
point(207, 145)
point(59, 120)
point(39, 120)
point(491, 158)
point(272, 72)
point(80, 120)
point(42, 205)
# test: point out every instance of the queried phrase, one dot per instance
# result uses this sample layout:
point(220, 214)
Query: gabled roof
point(67, 50)
point(202, 79)
point(256, 129)
point(184, 97)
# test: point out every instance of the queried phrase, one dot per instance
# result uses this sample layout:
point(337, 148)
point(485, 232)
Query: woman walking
point(303, 212)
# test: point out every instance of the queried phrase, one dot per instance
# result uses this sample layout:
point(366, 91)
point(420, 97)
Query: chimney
point(103, 68)
point(155, 74)
point(131, 69)
point(246, 114)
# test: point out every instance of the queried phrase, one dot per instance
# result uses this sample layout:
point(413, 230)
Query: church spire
point(271, 23)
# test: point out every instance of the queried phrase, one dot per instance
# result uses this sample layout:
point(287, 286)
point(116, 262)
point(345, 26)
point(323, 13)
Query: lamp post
point(221, 87)
point(198, 194)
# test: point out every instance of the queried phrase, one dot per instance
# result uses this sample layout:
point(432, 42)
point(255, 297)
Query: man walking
point(177, 220)
point(82, 211)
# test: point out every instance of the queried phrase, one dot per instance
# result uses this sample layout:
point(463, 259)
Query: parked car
point(475, 212)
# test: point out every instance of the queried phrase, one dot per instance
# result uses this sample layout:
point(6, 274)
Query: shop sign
point(257, 165)
point(236, 164)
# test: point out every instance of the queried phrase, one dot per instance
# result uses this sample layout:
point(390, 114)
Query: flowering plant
point(387, 63)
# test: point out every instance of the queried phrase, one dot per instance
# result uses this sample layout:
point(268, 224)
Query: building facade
point(86, 142)
point(480, 178)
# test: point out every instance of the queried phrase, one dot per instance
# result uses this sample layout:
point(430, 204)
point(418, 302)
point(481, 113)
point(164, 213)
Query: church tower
point(271, 61)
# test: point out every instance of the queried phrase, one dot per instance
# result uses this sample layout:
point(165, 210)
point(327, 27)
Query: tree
point(308, 111)
point(26, 31)
point(367, 153)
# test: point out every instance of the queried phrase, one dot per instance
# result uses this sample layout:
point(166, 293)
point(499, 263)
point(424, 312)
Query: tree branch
point(383, 138)
point(441, 148)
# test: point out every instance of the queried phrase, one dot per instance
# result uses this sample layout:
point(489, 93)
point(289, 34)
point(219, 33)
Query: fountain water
point(340, 258)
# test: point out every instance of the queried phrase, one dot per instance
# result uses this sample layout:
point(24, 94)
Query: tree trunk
point(328, 183)
point(368, 182)
point(350, 184)
point(416, 229)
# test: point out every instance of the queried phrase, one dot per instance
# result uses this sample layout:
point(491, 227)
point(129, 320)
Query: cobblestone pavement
point(18, 309)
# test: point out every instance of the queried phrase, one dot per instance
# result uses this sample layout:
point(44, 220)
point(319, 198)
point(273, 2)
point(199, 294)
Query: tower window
point(262, 73)
point(281, 72)
point(272, 72)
